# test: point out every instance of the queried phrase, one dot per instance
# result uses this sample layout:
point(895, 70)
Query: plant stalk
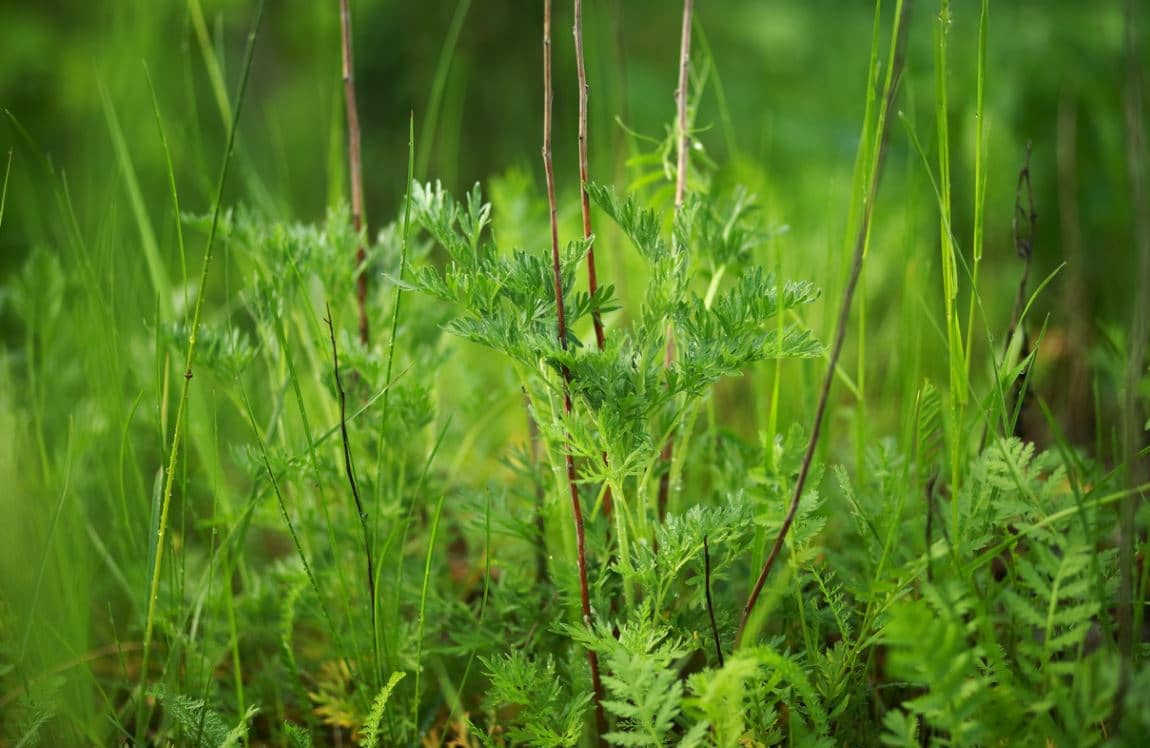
point(349, 469)
point(584, 169)
point(577, 510)
point(181, 408)
point(585, 204)
point(680, 193)
point(894, 74)
point(355, 167)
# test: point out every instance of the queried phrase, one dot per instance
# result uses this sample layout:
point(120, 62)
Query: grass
point(852, 515)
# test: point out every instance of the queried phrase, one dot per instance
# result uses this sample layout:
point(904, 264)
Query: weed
point(692, 536)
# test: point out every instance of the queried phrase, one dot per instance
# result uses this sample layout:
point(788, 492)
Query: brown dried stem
point(584, 178)
point(682, 145)
point(580, 64)
point(681, 102)
point(577, 510)
point(893, 77)
point(355, 165)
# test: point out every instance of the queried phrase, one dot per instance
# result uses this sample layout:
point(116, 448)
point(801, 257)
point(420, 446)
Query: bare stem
point(681, 94)
point(710, 602)
point(355, 165)
point(584, 170)
point(580, 540)
point(893, 76)
point(584, 89)
point(349, 469)
point(681, 101)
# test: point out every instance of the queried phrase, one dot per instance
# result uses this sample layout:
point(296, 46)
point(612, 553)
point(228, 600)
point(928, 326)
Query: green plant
point(651, 508)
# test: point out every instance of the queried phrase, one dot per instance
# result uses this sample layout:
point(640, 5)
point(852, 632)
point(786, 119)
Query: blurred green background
point(781, 112)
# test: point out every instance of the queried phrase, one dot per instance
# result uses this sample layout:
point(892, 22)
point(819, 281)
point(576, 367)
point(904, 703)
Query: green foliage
point(643, 689)
point(548, 715)
point(952, 575)
point(201, 725)
point(297, 736)
point(371, 732)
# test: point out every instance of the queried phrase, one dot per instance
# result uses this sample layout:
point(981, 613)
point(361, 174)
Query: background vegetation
point(112, 109)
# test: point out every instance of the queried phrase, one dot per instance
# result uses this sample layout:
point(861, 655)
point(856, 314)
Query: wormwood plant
point(628, 402)
point(333, 555)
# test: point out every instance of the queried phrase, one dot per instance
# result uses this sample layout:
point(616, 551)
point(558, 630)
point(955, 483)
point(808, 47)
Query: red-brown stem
point(580, 64)
point(680, 193)
point(681, 102)
point(841, 326)
point(584, 178)
point(355, 165)
point(577, 510)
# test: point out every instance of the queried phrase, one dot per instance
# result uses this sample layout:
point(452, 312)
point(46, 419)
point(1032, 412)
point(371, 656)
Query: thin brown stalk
point(682, 144)
point(584, 90)
point(1136, 467)
point(681, 101)
point(584, 178)
point(349, 469)
point(577, 509)
point(894, 75)
point(355, 166)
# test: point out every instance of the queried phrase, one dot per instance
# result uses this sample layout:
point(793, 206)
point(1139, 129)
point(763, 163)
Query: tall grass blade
point(177, 430)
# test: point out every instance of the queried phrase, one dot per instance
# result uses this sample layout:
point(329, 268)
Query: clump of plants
point(346, 543)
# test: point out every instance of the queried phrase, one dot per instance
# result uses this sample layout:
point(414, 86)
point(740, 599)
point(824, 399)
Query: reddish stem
point(681, 102)
point(580, 540)
point(584, 89)
point(355, 166)
point(584, 170)
point(680, 193)
point(895, 75)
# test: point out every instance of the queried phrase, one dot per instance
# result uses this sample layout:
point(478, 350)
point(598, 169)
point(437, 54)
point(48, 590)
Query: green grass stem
point(169, 474)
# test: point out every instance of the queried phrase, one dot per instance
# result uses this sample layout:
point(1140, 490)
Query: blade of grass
point(353, 484)
point(439, 84)
point(980, 159)
point(169, 474)
point(395, 312)
point(313, 459)
point(53, 523)
point(311, 578)
point(156, 271)
point(4, 189)
point(171, 187)
point(423, 606)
